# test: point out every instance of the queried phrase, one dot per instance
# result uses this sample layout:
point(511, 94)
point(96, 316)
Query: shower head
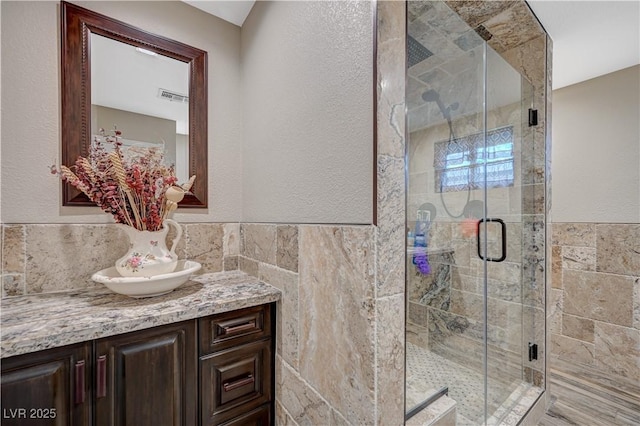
point(431, 96)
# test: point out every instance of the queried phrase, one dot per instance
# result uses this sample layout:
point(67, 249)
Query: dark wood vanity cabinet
point(236, 367)
point(216, 370)
point(147, 377)
point(51, 387)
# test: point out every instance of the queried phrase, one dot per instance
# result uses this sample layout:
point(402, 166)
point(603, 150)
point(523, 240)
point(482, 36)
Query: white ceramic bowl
point(146, 286)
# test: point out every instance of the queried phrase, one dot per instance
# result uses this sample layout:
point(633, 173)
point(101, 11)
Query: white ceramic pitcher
point(148, 254)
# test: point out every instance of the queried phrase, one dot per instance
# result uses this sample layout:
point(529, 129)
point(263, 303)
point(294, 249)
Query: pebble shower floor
point(428, 372)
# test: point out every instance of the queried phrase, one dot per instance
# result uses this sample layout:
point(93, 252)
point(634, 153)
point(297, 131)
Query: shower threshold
point(429, 372)
point(424, 404)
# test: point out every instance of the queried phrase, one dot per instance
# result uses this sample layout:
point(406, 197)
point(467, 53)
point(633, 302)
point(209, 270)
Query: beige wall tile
point(574, 234)
point(617, 350)
point(58, 259)
point(337, 314)
point(301, 401)
point(287, 247)
point(204, 244)
point(391, 69)
point(390, 356)
point(618, 249)
point(13, 249)
point(230, 263)
point(475, 13)
point(554, 311)
point(578, 328)
point(338, 420)
point(468, 305)
point(417, 335)
point(13, 285)
point(231, 239)
point(533, 199)
point(418, 314)
point(556, 267)
point(282, 417)
point(259, 242)
point(579, 258)
point(597, 296)
point(248, 266)
point(636, 303)
point(287, 319)
point(513, 27)
point(391, 235)
point(572, 349)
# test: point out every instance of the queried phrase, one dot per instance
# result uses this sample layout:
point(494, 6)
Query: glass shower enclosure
point(470, 329)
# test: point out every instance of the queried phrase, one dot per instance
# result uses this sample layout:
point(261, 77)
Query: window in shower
point(459, 163)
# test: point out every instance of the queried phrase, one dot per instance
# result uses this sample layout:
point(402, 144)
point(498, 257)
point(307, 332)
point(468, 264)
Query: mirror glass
point(152, 88)
point(144, 94)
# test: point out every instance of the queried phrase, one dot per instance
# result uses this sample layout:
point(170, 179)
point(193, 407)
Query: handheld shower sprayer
point(432, 95)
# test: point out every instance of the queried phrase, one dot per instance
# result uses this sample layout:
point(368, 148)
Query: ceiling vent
point(172, 96)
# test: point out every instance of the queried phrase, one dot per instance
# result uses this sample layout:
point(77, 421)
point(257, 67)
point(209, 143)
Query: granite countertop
point(42, 321)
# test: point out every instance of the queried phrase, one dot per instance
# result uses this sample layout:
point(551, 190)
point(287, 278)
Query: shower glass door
point(507, 144)
point(467, 140)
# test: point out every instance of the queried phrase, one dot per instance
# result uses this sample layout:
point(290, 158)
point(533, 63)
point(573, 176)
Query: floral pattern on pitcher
point(148, 254)
point(136, 261)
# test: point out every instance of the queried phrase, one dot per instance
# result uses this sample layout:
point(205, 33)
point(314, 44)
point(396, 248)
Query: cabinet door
point(147, 377)
point(51, 387)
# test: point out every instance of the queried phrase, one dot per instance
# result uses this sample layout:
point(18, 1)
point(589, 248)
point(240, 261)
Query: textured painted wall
point(31, 106)
point(597, 143)
point(307, 112)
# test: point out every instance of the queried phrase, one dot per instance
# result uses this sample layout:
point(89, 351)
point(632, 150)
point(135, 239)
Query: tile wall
point(48, 258)
point(327, 311)
point(595, 302)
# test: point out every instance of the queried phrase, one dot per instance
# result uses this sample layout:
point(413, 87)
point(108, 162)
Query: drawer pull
point(228, 329)
point(229, 386)
point(101, 373)
point(79, 382)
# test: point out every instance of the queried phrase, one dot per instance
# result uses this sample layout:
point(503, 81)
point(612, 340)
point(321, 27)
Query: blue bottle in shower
point(420, 248)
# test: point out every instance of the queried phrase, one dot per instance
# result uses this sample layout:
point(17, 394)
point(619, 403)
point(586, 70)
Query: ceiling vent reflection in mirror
point(172, 96)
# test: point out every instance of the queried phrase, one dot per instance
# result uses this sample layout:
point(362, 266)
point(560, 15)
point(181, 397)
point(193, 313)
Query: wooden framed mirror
point(83, 30)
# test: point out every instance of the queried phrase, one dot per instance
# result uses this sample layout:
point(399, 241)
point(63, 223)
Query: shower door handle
point(503, 228)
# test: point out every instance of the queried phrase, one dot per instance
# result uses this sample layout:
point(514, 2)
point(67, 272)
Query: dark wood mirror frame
point(77, 24)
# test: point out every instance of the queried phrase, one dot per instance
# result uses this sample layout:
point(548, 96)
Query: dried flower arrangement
point(138, 190)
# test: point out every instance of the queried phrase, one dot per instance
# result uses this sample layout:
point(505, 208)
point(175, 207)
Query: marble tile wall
point(48, 258)
point(327, 312)
point(595, 318)
point(389, 232)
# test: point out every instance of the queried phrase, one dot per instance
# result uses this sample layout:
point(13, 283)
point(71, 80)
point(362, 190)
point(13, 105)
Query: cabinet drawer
point(222, 331)
point(235, 381)
point(259, 417)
